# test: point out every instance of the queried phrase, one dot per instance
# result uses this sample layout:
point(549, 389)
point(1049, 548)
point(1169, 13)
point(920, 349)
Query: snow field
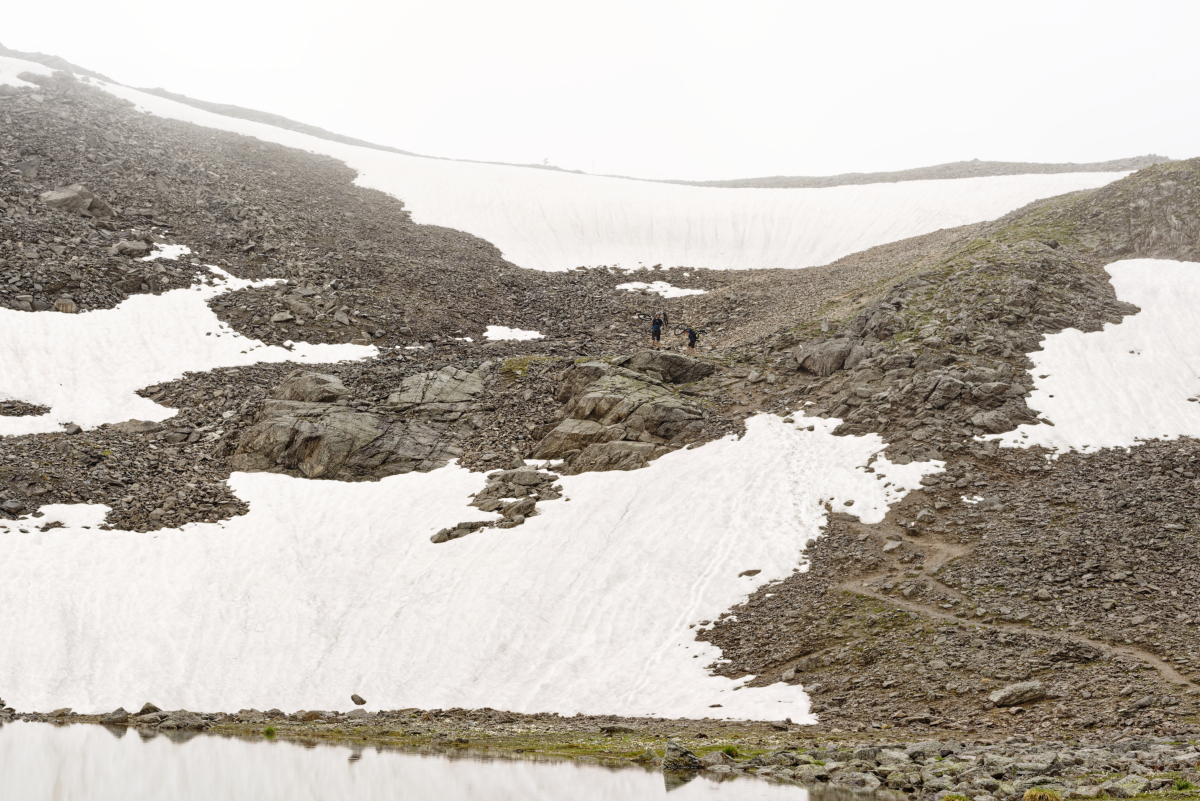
point(497, 332)
point(329, 588)
point(88, 367)
point(548, 220)
point(1130, 381)
point(86, 762)
point(661, 288)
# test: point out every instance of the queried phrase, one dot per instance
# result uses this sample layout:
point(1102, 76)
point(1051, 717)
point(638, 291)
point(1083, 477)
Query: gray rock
point(824, 358)
point(1126, 787)
point(117, 717)
point(136, 427)
point(182, 720)
point(301, 385)
point(855, 780)
point(148, 708)
point(673, 367)
point(717, 758)
point(324, 440)
point(946, 390)
point(134, 248)
point(357, 699)
point(1021, 693)
point(613, 456)
point(77, 199)
point(282, 317)
point(994, 421)
point(678, 758)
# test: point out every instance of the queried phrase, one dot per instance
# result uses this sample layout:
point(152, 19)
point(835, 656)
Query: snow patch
point(498, 332)
point(10, 68)
point(88, 367)
point(314, 595)
point(1130, 381)
point(167, 252)
point(661, 288)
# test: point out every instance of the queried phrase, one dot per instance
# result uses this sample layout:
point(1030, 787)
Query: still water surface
point(44, 762)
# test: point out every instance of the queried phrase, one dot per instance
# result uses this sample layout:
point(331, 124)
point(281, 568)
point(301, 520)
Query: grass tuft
point(1040, 794)
point(269, 732)
point(731, 750)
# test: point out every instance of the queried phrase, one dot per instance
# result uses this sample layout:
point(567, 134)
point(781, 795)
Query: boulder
point(1126, 787)
point(130, 247)
point(136, 427)
point(673, 367)
point(357, 699)
point(994, 421)
point(148, 708)
point(855, 780)
point(182, 720)
point(115, 718)
point(717, 758)
point(678, 758)
point(65, 200)
point(1021, 693)
point(77, 199)
point(946, 390)
point(824, 358)
point(883, 324)
point(300, 385)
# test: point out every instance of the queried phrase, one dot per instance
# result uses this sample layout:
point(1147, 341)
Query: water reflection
point(45, 762)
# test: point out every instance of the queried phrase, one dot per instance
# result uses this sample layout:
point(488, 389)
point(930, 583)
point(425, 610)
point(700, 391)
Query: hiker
point(692, 337)
point(656, 326)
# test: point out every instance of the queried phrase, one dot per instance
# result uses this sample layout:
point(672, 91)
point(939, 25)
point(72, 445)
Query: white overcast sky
point(668, 88)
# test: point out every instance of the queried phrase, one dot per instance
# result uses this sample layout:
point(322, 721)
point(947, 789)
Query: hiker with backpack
point(692, 336)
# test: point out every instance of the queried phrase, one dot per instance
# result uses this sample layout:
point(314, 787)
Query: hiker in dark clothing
point(656, 326)
point(692, 337)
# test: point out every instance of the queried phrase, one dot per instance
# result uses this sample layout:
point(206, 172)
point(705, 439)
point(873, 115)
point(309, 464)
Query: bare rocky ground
point(1073, 579)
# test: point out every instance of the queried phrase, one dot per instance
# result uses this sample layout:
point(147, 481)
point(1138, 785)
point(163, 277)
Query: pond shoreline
point(887, 762)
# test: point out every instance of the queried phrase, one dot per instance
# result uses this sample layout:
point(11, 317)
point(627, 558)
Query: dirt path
point(939, 554)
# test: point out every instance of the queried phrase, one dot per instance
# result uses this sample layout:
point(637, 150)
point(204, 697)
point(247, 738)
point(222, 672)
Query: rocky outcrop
point(823, 358)
point(616, 418)
point(304, 428)
point(513, 493)
point(672, 367)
